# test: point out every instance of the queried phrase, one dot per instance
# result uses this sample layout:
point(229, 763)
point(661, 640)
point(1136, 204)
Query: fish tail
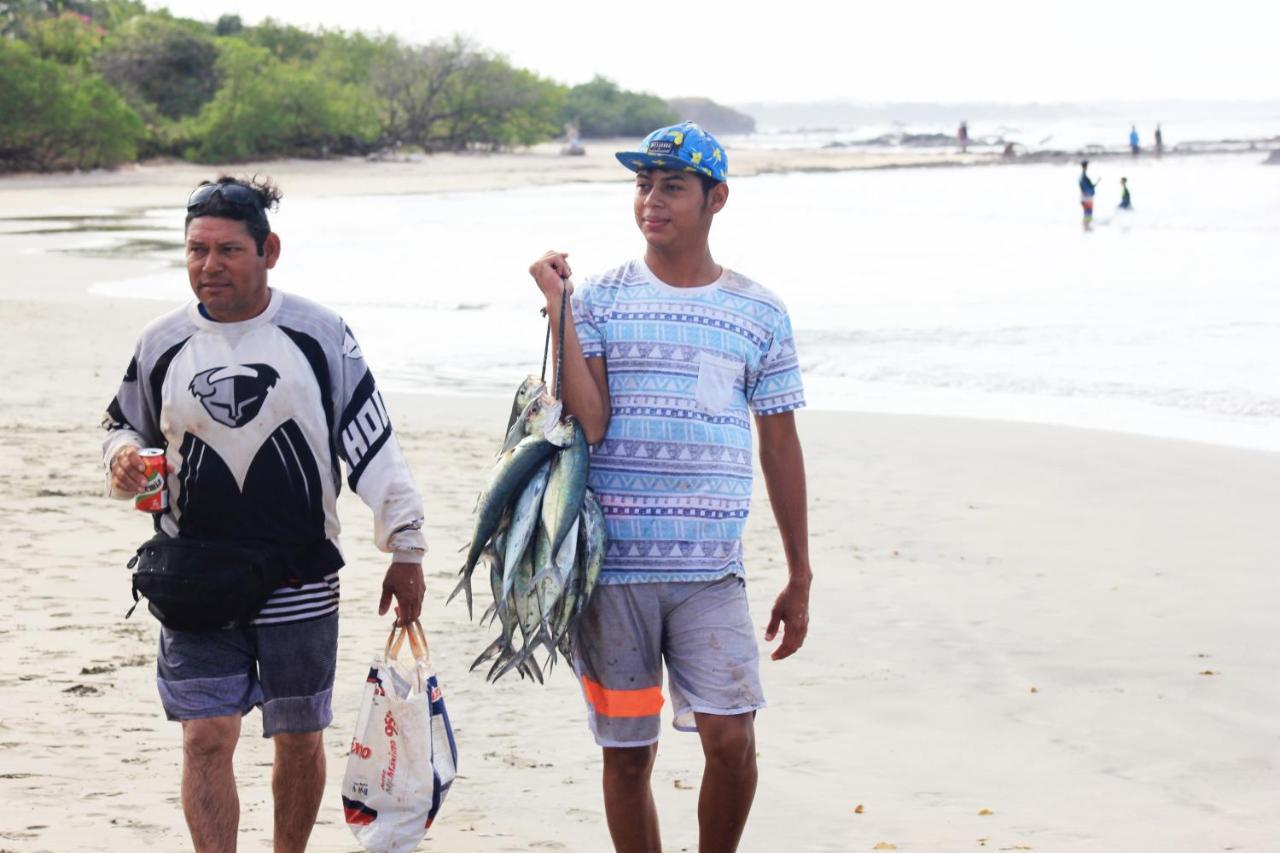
point(532, 671)
point(493, 648)
point(464, 584)
point(512, 663)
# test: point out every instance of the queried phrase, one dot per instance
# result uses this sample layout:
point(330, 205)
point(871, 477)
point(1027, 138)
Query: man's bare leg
point(728, 782)
point(297, 782)
point(209, 799)
point(628, 799)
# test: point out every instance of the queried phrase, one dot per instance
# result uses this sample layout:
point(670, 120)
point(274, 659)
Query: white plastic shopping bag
point(403, 758)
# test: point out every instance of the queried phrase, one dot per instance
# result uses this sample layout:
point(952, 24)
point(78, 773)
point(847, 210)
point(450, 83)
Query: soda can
point(155, 498)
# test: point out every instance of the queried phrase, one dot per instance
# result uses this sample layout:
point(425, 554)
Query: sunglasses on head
point(232, 193)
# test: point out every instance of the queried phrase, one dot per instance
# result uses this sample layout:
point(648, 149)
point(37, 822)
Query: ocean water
point(963, 291)
point(1071, 128)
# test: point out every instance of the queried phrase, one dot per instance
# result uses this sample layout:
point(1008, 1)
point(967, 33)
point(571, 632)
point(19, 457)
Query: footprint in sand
point(83, 690)
point(99, 669)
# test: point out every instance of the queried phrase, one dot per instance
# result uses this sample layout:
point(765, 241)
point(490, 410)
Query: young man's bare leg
point(297, 783)
point(728, 782)
point(628, 799)
point(209, 799)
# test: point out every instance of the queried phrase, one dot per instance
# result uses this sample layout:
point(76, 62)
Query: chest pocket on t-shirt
point(717, 378)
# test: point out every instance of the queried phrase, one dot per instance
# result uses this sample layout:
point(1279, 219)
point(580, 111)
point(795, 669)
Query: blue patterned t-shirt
point(687, 368)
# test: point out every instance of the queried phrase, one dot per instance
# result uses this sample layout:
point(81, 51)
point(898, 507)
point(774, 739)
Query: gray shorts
point(287, 670)
point(702, 629)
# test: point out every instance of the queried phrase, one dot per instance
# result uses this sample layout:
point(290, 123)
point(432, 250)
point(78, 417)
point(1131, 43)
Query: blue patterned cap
point(681, 147)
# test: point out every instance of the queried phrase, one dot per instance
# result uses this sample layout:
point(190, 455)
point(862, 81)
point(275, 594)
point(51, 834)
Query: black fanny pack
point(207, 585)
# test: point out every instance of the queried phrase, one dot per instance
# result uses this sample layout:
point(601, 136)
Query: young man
point(1088, 189)
point(666, 359)
point(255, 395)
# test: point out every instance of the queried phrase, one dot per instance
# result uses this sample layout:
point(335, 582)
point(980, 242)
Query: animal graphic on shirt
point(234, 395)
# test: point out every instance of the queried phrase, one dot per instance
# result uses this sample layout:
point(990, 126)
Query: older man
point(255, 395)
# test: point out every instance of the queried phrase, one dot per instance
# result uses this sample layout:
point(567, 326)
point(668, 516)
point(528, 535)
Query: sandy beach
point(156, 183)
point(1023, 637)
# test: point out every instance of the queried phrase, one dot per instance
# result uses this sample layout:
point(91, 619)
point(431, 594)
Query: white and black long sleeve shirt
point(254, 417)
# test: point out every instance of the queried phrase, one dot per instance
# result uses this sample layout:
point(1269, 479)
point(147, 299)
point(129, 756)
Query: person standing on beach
point(1087, 190)
point(1159, 141)
point(256, 395)
point(963, 136)
point(1134, 147)
point(1126, 203)
point(666, 361)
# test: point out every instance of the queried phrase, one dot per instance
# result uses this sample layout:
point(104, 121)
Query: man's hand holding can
point(128, 471)
point(141, 472)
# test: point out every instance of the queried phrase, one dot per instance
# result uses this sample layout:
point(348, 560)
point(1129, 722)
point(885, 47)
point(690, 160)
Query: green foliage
point(228, 25)
point(266, 107)
point(351, 57)
point(58, 117)
point(492, 105)
point(284, 41)
point(450, 95)
point(90, 82)
point(18, 17)
point(109, 14)
point(70, 39)
point(413, 83)
point(599, 108)
point(162, 68)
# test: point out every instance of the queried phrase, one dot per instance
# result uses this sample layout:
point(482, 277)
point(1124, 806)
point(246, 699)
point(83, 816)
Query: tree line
point(93, 83)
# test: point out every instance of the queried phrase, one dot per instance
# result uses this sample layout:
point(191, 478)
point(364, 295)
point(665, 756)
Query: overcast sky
point(803, 50)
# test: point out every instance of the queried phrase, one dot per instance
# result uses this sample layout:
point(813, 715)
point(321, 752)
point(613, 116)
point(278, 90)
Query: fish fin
point(547, 571)
point(464, 584)
point(532, 671)
point(566, 644)
point(511, 664)
point(496, 664)
point(543, 638)
point(492, 649)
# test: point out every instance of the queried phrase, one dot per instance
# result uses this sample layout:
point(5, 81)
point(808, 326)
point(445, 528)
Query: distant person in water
point(963, 136)
point(1087, 190)
point(1126, 203)
point(1159, 141)
point(1134, 147)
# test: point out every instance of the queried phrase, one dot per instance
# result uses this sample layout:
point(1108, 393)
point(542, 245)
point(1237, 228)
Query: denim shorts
point(285, 669)
point(702, 630)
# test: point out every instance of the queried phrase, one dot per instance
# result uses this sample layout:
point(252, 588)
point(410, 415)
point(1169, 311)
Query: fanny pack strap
point(276, 565)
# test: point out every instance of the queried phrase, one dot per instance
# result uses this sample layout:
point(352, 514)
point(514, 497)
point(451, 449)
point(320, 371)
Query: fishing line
point(564, 303)
point(546, 344)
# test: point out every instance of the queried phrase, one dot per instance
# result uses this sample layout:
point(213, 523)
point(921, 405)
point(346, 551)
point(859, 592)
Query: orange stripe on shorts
point(644, 702)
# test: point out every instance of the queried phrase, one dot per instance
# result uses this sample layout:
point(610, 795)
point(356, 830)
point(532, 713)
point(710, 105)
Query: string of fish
point(538, 529)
